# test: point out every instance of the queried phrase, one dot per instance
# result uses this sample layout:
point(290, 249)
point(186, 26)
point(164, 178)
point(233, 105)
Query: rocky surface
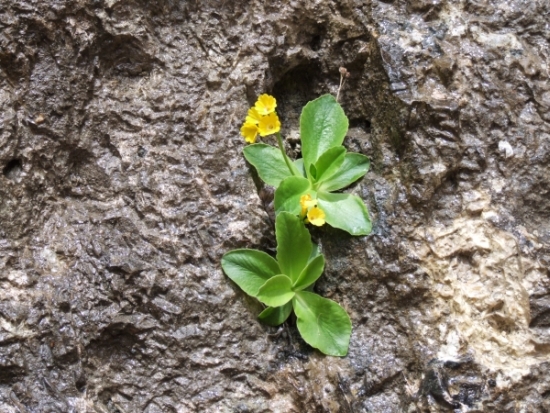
point(123, 184)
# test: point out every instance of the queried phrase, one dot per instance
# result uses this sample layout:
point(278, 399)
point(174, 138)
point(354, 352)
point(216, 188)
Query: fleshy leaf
point(293, 245)
point(322, 323)
point(249, 269)
point(344, 211)
point(310, 274)
point(275, 316)
point(329, 162)
point(299, 164)
point(312, 173)
point(323, 125)
point(268, 161)
point(354, 167)
point(276, 291)
point(287, 195)
point(315, 251)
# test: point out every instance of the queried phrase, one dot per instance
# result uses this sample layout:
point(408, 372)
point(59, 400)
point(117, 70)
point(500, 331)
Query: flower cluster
point(261, 119)
point(311, 212)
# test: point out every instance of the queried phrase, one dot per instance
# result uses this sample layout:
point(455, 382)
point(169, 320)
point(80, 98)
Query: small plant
point(325, 167)
point(304, 194)
point(284, 284)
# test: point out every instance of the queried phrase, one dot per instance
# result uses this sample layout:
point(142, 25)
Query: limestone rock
point(123, 183)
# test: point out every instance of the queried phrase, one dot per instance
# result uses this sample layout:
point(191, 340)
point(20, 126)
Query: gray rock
point(123, 183)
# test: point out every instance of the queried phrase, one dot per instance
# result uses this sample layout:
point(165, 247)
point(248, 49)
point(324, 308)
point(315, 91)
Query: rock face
point(124, 182)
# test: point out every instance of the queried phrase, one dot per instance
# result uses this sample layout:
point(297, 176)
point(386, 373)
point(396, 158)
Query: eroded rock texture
point(123, 184)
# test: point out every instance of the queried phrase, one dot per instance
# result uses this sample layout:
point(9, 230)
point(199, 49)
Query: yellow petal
point(253, 116)
point(249, 131)
point(316, 216)
point(269, 125)
point(310, 203)
point(265, 104)
point(303, 199)
point(306, 202)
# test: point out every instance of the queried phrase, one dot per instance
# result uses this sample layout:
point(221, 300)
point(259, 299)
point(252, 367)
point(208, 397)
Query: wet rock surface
point(123, 183)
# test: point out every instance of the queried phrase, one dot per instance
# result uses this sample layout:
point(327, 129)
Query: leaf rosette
point(283, 285)
point(325, 167)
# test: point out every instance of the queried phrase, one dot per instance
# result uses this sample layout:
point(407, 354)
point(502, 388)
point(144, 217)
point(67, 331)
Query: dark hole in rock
point(316, 42)
point(13, 169)
point(540, 312)
point(14, 65)
point(468, 395)
point(78, 157)
point(65, 307)
point(294, 90)
point(541, 320)
point(10, 374)
point(360, 123)
point(141, 152)
point(317, 35)
point(123, 55)
point(80, 383)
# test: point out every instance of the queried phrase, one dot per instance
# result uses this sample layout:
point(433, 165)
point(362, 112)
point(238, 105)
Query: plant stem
point(282, 148)
point(343, 75)
point(342, 80)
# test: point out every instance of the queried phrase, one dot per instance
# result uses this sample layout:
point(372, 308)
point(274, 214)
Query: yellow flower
point(306, 202)
point(249, 132)
point(269, 125)
point(265, 104)
point(316, 216)
point(261, 119)
point(312, 214)
point(253, 116)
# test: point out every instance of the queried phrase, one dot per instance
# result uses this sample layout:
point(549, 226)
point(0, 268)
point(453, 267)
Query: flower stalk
point(282, 148)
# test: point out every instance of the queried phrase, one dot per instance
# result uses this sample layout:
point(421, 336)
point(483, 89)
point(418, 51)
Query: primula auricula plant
point(304, 194)
point(306, 186)
point(283, 285)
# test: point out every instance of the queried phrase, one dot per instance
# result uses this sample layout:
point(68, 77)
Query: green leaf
point(329, 162)
point(287, 195)
point(354, 167)
point(344, 211)
point(276, 291)
point(293, 244)
point(310, 274)
point(299, 164)
point(249, 269)
point(323, 125)
point(312, 173)
point(275, 316)
point(314, 251)
point(322, 323)
point(268, 161)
